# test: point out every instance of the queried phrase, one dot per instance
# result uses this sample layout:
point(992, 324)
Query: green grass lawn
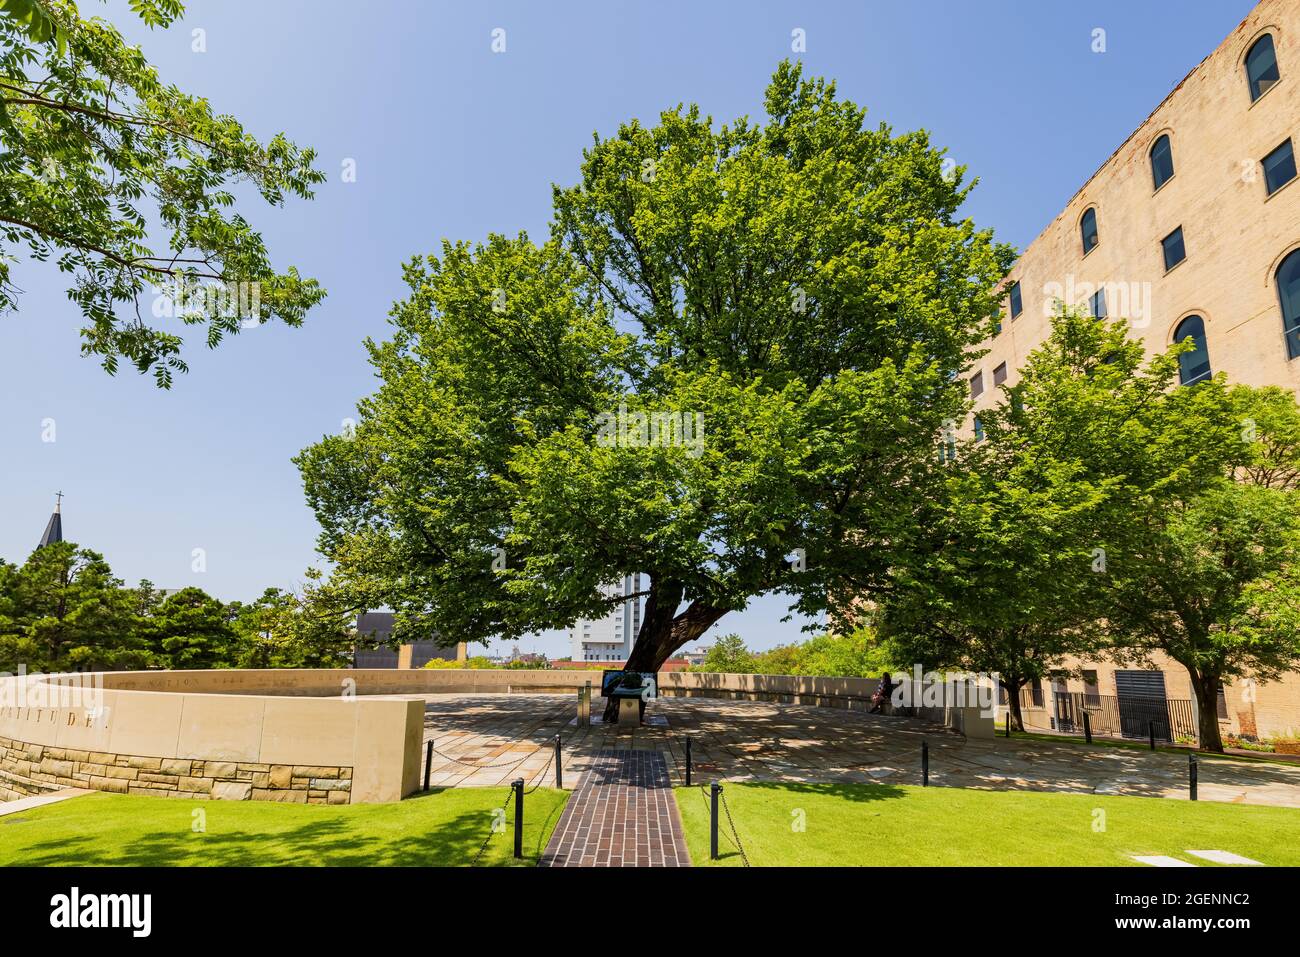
point(883, 824)
point(441, 828)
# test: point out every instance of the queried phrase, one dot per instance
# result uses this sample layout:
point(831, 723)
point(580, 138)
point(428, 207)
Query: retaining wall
point(195, 743)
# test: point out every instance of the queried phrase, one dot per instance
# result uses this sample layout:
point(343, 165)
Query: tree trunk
point(663, 632)
point(1013, 706)
point(1206, 688)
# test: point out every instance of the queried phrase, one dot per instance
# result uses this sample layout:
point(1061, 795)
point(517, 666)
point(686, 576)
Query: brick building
point(1190, 228)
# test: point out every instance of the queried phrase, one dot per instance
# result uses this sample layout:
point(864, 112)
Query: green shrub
point(857, 654)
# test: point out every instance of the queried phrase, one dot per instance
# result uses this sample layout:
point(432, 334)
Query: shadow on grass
point(341, 840)
point(855, 793)
point(865, 791)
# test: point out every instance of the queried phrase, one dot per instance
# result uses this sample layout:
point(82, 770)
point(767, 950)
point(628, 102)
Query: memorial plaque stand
point(629, 713)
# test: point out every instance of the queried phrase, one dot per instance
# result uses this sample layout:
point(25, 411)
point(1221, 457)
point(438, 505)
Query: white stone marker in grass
point(1161, 860)
point(1226, 857)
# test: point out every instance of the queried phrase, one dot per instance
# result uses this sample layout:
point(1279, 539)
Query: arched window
point(1261, 67)
point(1194, 366)
point(1288, 291)
point(1162, 161)
point(1088, 228)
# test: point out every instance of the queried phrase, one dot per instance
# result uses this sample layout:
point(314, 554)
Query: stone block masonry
point(29, 769)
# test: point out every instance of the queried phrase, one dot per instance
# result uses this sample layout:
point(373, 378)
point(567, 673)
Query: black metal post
point(714, 794)
point(925, 764)
point(688, 762)
point(428, 764)
point(559, 760)
point(1191, 776)
point(518, 785)
point(1087, 728)
point(1151, 730)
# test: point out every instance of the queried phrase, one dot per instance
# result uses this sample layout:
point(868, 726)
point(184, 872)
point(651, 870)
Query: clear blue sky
point(452, 140)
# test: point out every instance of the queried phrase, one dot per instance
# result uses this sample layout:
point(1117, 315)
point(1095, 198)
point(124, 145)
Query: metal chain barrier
point(491, 831)
point(541, 777)
point(470, 764)
point(735, 837)
point(732, 825)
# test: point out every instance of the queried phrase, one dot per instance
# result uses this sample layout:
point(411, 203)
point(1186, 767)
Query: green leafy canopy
point(802, 288)
point(103, 163)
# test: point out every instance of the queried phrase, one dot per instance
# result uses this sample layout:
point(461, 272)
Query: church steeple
point(54, 530)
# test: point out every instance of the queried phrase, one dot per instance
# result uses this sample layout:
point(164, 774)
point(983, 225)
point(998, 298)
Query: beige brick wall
point(1255, 709)
point(1235, 235)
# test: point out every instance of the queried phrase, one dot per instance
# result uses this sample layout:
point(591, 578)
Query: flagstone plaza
point(487, 740)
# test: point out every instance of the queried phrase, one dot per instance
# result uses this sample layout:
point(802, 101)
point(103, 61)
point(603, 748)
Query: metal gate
point(1142, 704)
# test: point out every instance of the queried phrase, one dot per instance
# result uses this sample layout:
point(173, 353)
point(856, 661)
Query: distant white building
point(610, 638)
point(695, 656)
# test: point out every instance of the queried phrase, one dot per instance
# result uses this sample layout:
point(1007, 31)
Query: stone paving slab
point(622, 814)
point(39, 800)
point(489, 740)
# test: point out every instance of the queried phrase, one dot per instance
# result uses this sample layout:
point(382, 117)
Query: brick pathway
point(621, 815)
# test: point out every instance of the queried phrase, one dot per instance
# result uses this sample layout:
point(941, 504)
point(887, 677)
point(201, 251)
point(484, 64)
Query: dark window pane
point(977, 385)
point(1288, 290)
point(979, 430)
point(1193, 366)
point(1279, 167)
point(1221, 705)
point(1036, 690)
point(1016, 306)
point(1173, 246)
point(1088, 228)
point(1090, 689)
point(1162, 161)
point(1000, 374)
point(1098, 304)
point(1261, 67)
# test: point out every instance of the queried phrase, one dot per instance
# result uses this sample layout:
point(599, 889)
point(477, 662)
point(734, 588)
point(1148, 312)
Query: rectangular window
point(979, 430)
point(1091, 693)
point(977, 385)
point(1036, 692)
point(1000, 374)
point(1173, 247)
point(1279, 168)
point(1017, 307)
point(1222, 704)
point(1097, 304)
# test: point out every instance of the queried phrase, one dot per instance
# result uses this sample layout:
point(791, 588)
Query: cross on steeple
point(58, 501)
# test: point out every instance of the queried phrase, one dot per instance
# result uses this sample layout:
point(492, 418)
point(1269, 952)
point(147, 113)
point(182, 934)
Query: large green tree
point(190, 629)
point(1213, 580)
point(64, 610)
point(798, 296)
point(1003, 587)
point(1109, 502)
point(126, 182)
point(283, 629)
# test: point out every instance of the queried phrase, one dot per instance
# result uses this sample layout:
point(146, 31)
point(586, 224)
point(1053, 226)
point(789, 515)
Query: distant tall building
point(54, 529)
point(610, 638)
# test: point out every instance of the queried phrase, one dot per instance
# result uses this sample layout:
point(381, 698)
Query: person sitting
point(883, 692)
